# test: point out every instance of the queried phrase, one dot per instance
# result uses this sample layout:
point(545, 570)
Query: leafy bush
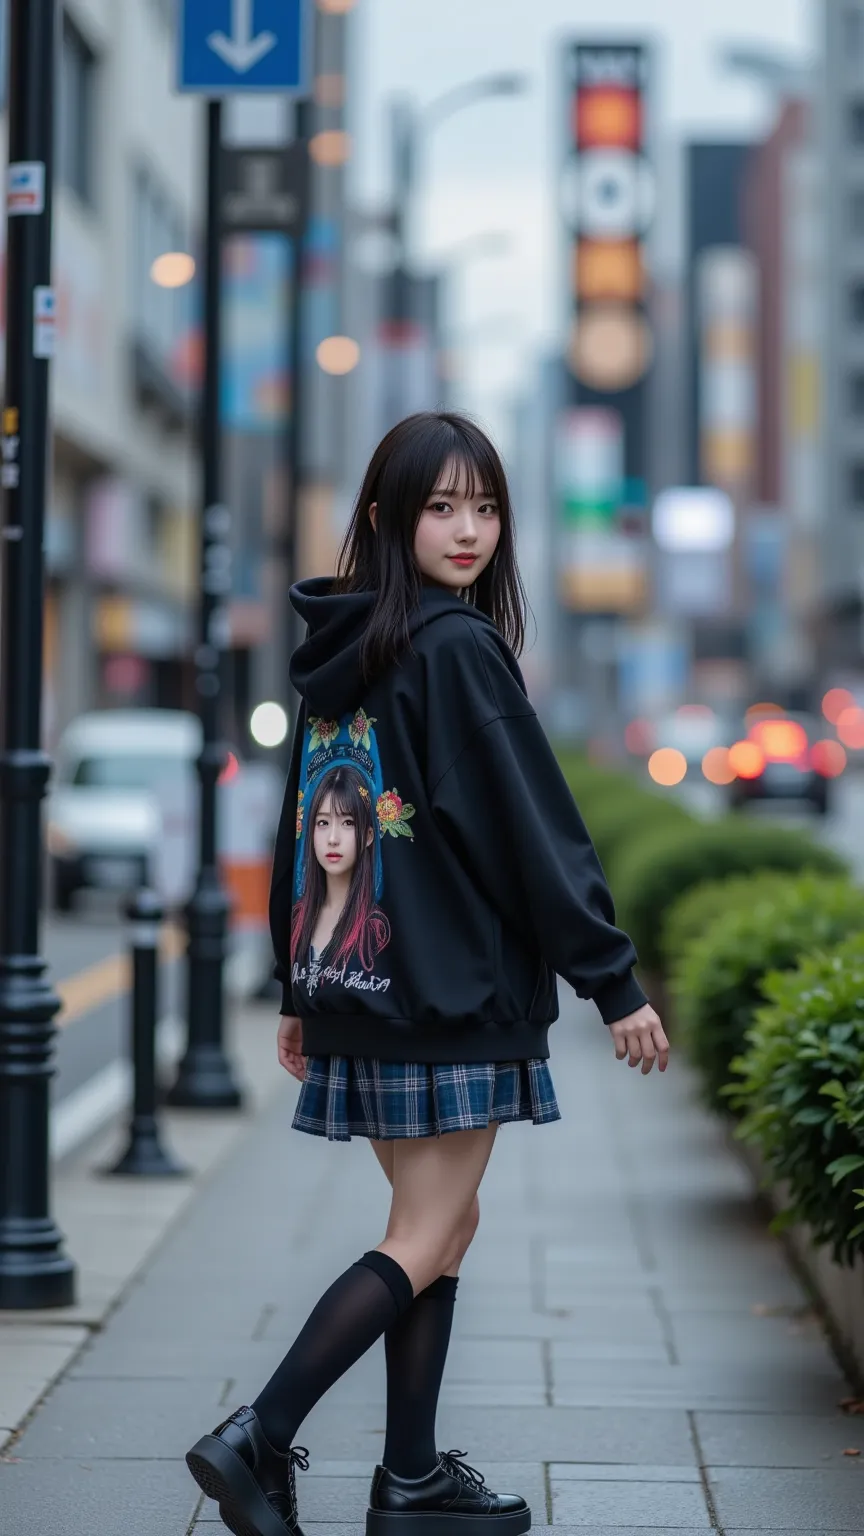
point(801, 1090)
point(716, 980)
point(615, 818)
point(650, 874)
point(691, 915)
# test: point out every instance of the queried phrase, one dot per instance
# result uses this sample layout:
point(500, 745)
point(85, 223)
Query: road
point(87, 954)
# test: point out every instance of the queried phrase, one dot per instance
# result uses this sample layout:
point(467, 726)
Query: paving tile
point(599, 1472)
point(790, 1499)
point(778, 1439)
point(604, 1502)
point(769, 1385)
point(116, 1419)
point(96, 1498)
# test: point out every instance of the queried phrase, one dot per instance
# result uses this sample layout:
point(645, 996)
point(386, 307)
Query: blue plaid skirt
point(345, 1096)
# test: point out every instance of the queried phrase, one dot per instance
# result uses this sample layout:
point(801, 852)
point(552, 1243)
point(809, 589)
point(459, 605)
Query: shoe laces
point(459, 1468)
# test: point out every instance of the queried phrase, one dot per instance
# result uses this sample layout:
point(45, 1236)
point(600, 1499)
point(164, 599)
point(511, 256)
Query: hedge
point(615, 819)
point(650, 874)
point(692, 914)
point(800, 1088)
point(716, 982)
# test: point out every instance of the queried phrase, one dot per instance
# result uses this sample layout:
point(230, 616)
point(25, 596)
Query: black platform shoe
point(254, 1485)
point(451, 1498)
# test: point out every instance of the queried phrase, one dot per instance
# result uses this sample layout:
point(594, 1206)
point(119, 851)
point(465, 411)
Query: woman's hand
point(289, 1044)
point(641, 1033)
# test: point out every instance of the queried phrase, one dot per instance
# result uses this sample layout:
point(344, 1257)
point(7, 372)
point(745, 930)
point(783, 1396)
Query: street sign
point(228, 46)
point(265, 188)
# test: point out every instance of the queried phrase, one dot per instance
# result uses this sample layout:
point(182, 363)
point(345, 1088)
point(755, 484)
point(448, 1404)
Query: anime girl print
point(338, 928)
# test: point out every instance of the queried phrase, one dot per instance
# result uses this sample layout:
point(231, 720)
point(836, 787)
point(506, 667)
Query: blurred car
point(783, 755)
point(115, 770)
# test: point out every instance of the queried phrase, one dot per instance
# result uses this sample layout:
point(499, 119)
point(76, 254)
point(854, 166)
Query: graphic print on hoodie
point(476, 882)
point(341, 759)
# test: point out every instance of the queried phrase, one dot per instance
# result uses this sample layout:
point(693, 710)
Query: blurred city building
point(839, 137)
point(120, 538)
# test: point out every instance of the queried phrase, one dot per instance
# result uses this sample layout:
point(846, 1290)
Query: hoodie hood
point(325, 668)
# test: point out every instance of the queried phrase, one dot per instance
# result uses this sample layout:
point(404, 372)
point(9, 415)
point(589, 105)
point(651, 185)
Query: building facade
point(840, 148)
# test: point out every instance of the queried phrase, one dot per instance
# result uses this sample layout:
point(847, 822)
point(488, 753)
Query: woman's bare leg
point(384, 1153)
point(433, 1213)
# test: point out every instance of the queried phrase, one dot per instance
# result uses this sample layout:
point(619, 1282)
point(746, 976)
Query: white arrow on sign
point(241, 51)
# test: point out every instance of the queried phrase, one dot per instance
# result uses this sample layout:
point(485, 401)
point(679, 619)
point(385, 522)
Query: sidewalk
point(632, 1352)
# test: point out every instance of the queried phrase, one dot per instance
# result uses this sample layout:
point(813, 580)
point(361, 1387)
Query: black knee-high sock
point(347, 1320)
point(416, 1348)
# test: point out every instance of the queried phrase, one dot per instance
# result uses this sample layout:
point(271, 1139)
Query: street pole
point(205, 1079)
point(34, 1271)
point(304, 113)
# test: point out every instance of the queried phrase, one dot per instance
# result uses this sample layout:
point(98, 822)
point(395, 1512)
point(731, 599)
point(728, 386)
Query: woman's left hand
point(641, 1037)
point(289, 1044)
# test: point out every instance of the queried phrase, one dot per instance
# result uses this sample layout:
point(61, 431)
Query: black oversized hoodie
point(476, 881)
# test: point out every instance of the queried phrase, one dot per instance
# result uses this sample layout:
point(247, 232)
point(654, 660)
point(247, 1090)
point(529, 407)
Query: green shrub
point(691, 915)
point(801, 1088)
point(651, 873)
point(716, 981)
point(615, 818)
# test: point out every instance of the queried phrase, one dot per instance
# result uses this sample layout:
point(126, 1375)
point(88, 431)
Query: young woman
point(482, 876)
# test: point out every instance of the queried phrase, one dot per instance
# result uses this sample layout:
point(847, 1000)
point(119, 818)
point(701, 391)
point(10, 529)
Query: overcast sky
point(492, 166)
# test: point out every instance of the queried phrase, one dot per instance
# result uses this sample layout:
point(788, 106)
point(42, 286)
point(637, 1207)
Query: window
point(76, 117)
point(163, 319)
point(856, 482)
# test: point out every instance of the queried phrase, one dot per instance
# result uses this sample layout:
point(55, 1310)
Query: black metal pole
point(34, 1271)
point(303, 132)
point(145, 1157)
point(205, 1079)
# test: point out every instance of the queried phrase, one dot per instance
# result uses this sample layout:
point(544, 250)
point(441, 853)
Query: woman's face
point(335, 839)
point(457, 534)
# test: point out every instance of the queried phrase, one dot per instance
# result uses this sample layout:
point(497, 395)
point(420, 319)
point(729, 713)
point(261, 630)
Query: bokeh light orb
point(667, 766)
point(337, 354)
point(850, 727)
point(717, 767)
point(173, 269)
point(269, 724)
point(746, 759)
point(834, 703)
point(828, 758)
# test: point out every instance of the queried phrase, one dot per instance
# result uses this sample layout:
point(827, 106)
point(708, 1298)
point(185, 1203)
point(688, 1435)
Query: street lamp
point(409, 126)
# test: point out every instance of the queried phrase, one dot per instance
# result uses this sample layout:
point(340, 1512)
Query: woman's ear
point(370, 837)
point(373, 513)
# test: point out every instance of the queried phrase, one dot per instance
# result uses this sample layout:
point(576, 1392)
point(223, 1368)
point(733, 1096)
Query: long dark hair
point(362, 928)
point(404, 470)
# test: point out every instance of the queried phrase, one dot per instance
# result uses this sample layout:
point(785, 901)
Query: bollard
point(145, 1157)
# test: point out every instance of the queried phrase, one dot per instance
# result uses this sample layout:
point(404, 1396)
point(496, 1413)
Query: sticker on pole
point(25, 187)
point(44, 322)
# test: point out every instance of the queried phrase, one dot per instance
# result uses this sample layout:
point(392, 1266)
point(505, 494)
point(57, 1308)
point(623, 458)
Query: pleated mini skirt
point(345, 1096)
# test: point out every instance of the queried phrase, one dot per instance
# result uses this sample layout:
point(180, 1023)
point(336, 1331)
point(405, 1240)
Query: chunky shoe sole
point(381, 1522)
point(225, 1477)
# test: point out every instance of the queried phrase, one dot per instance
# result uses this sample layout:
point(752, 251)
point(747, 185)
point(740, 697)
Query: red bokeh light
point(828, 758)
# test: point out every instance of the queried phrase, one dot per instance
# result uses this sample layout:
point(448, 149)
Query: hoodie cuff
point(619, 998)
point(287, 1005)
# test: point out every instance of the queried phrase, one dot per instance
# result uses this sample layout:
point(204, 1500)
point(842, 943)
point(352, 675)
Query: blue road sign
point(226, 46)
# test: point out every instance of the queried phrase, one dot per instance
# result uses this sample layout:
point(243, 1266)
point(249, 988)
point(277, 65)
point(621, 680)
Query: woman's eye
point(489, 510)
point(440, 506)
